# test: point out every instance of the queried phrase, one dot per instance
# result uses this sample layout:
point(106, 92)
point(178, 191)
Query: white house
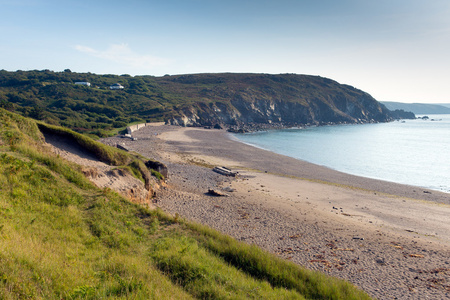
point(83, 83)
point(116, 86)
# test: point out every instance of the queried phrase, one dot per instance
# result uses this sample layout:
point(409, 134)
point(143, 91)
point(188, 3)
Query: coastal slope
point(86, 103)
point(283, 100)
point(63, 237)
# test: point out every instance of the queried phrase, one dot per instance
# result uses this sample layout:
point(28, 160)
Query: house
point(83, 83)
point(116, 86)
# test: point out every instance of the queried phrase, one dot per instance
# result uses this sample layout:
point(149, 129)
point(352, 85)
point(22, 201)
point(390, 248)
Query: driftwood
point(224, 171)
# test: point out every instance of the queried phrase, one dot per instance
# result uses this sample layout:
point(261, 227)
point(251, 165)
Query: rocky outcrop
point(276, 100)
point(157, 166)
point(401, 114)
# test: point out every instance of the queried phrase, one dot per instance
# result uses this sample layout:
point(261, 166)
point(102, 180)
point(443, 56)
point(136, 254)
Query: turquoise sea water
point(414, 152)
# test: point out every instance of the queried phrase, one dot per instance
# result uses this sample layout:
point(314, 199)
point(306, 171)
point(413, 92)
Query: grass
point(63, 238)
point(207, 276)
point(278, 272)
point(106, 154)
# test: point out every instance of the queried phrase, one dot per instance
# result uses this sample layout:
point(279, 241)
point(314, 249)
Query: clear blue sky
point(396, 50)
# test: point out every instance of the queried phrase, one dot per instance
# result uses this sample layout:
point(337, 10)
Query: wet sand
point(391, 240)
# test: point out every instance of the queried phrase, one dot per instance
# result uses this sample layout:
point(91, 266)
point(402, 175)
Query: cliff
point(278, 100)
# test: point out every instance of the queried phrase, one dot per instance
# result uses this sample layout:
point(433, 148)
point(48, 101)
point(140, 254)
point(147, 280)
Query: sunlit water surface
point(414, 152)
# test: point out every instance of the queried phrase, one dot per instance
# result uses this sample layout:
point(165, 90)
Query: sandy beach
point(391, 240)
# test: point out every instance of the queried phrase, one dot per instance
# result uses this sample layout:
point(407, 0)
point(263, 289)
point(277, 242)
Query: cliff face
point(284, 100)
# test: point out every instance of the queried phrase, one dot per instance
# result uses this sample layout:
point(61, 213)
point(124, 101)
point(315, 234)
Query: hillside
point(61, 237)
point(286, 99)
point(189, 100)
point(445, 104)
point(419, 108)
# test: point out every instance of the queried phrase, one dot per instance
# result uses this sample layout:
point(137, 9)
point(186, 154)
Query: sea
point(414, 152)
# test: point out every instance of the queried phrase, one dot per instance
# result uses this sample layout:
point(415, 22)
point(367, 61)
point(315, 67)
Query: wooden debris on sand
point(224, 171)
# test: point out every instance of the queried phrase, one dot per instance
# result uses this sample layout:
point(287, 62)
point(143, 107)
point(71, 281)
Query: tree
point(6, 105)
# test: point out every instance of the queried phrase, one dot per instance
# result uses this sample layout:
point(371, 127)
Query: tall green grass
point(278, 272)
point(58, 241)
point(63, 238)
point(207, 276)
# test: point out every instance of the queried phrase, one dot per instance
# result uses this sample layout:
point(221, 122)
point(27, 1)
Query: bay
point(414, 152)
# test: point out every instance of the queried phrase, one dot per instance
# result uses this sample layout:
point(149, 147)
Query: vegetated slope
point(418, 108)
point(63, 238)
point(197, 99)
point(286, 99)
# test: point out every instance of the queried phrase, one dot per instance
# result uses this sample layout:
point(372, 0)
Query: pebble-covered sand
point(393, 241)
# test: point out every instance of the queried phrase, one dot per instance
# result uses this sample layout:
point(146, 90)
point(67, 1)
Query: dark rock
point(157, 166)
point(401, 114)
point(216, 193)
point(122, 147)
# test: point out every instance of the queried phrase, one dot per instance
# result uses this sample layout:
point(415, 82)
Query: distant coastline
point(419, 108)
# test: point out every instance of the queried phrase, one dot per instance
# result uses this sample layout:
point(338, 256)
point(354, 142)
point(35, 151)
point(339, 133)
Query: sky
point(395, 50)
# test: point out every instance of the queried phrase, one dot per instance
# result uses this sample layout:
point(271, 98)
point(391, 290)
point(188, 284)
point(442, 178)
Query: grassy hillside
point(63, 238)
point(55, 98)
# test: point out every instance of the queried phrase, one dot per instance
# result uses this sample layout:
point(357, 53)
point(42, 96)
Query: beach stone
point(216, 193)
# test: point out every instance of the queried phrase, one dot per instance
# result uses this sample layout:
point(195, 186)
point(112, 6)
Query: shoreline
point(416, 187)
point(359, 229)
point(309, 170)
